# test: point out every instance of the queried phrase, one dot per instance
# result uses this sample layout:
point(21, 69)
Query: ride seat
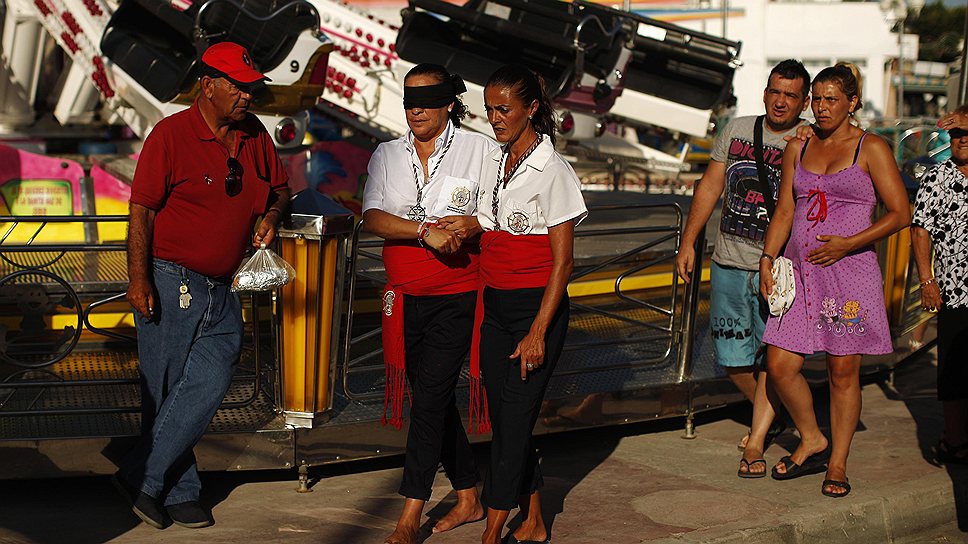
point(681, 65)
point(602, 48)
point(158, 45)
point(484, 41)
point(267, 28)
point(681, 76)
point(152, 42)
point(425, 38)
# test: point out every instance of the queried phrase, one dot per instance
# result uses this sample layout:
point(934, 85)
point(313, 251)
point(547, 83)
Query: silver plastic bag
point(265, 271)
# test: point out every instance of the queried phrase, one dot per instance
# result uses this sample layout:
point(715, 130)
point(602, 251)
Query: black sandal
point(947, 454)
point(835, 483)
point(749, 464)
point(776, 429)
point(814, 464)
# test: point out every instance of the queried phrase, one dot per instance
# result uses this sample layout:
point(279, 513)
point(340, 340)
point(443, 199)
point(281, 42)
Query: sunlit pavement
point(640, 483)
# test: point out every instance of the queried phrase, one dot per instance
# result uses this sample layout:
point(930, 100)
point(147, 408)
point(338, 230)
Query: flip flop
point(776, 429)
point(814, 464)
point(749, 464)
point(836, 483)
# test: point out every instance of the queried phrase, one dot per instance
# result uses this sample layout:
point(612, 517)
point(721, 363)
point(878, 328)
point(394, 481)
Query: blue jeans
point(187, 358)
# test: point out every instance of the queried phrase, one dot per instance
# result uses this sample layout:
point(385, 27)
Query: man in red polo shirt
point(204, 177)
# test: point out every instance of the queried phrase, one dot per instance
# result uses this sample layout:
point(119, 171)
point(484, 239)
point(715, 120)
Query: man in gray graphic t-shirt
point(742, 228)
point(737, 314)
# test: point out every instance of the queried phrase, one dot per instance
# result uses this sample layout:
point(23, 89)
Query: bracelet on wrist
point(422, 231)
point(928, 281)
point(767, 256)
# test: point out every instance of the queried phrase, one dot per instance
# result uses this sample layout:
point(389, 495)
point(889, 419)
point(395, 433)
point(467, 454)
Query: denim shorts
point(737, 316)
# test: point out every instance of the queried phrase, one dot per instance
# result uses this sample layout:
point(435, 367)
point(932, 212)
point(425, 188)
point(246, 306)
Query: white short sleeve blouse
point(394, 172)
point(542, 193)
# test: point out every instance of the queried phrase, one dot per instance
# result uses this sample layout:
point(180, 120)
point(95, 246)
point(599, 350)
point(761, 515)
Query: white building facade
point(817, 33)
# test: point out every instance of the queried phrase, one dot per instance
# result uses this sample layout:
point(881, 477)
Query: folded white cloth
point(784, 287)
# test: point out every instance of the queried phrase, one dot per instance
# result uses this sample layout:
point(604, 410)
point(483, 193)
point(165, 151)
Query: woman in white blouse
point(417, 183)
point(529, 203)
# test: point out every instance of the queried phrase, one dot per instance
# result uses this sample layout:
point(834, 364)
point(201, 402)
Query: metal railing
point(41, 280)
point(667, 329)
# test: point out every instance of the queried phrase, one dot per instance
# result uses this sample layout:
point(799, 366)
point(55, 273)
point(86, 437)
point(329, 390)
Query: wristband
point(422, 231)
point(767, 256)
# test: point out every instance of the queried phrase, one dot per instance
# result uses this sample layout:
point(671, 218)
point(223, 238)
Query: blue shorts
point(737, 316)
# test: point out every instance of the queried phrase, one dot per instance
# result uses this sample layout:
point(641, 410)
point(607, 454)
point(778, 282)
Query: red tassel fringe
point(394, 357)
point(393, 395)
point(478, 408)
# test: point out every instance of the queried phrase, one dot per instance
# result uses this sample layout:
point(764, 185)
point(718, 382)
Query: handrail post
point(690, 307)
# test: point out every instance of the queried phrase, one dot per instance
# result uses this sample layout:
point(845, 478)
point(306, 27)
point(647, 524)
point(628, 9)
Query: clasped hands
point(447, 235)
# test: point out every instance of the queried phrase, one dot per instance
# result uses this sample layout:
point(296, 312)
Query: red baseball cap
point(234, 62)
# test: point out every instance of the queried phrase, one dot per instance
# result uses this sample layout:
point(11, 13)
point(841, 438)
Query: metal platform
point(87, 272)
point(109, 408)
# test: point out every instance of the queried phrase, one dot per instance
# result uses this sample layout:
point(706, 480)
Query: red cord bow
point(818, 208)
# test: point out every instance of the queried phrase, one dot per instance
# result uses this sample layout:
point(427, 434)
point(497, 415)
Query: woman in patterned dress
point(829, 187)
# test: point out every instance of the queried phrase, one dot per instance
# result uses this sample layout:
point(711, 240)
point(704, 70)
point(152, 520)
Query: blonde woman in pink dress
point(829, 187)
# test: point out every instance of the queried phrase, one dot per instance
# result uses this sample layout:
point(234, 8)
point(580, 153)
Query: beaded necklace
point(505, 179)
point(417, 212)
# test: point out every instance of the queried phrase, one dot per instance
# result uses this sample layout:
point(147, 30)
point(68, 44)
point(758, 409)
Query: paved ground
point(641, 483)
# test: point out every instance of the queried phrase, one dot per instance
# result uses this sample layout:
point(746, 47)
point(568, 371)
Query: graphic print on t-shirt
point(744, 210)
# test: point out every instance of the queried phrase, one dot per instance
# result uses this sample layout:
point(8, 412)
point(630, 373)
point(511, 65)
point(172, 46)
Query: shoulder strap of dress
point(803, 148)
point(859, 143)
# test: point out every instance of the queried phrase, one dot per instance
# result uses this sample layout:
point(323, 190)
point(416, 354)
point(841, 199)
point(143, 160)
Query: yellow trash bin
point(314, 241)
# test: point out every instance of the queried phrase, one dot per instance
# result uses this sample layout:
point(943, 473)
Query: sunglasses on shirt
point(233, 181)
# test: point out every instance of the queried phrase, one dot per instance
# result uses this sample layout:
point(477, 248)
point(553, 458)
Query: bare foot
point(536, 534)
point(742, 443)
point(491, 538)
point(403, 534)
point(803, 451)
point(463, 512)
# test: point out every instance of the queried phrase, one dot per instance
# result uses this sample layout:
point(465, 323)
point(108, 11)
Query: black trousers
point(952, 353)
point(514, 404)
point(437, 332)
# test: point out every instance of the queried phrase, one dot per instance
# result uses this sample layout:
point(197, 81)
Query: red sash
point(414, 270)
point(507, 262)
point(515, 262)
